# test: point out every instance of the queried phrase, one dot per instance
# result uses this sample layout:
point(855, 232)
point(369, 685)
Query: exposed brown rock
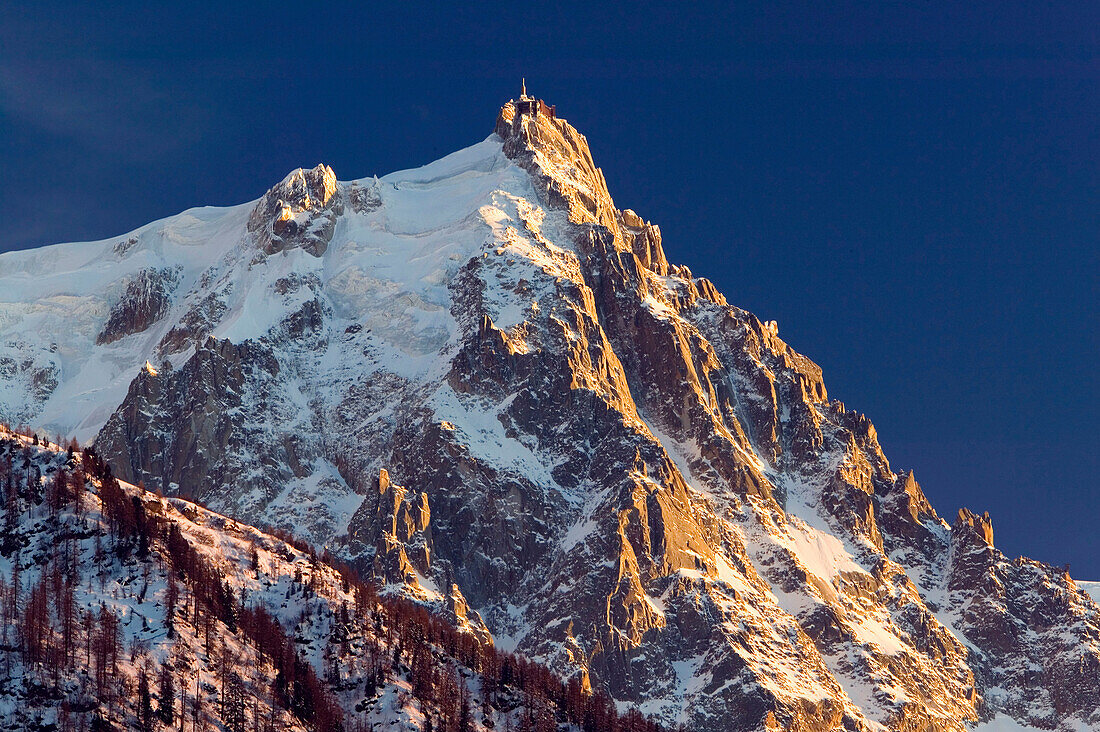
point(979, 526)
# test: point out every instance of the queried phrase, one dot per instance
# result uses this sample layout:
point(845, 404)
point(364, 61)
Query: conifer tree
point(166, 695)
point(146, 720)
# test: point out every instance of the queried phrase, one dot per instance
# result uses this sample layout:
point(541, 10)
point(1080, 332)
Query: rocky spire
point(979, 526)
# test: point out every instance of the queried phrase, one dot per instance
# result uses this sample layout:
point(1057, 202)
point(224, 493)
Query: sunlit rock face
point(299, 212)
point(487, 386)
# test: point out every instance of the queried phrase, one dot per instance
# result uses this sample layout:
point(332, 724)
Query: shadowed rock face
point(1020, 612)
point(145, 301)
point(559, 437)
point(191, 421)
point(29, 374)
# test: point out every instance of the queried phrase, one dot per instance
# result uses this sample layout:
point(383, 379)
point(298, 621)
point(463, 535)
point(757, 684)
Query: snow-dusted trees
point(106, 644)
point(145, 717)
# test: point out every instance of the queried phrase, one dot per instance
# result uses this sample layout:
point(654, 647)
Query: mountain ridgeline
point(484, 387)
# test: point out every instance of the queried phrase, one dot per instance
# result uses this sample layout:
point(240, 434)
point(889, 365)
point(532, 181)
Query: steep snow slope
point(481, 376)
point(56, 301)
point(1092, 588)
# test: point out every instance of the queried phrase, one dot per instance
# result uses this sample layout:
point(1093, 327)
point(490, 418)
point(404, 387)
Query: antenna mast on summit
point(531, 106)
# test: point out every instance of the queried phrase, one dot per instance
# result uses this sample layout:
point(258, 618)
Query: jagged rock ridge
point(485, 383)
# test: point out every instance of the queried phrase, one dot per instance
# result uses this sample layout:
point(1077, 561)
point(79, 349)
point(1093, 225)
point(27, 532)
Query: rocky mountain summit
point(486, 386)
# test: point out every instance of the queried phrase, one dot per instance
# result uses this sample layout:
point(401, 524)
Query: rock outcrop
point(299, 212)
point(145, 301)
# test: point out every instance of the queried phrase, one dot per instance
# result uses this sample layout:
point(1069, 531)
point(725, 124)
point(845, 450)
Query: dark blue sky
point(912, 191)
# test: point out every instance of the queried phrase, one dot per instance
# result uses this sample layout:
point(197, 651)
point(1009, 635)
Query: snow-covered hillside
point(121, 609)
point(484, 385)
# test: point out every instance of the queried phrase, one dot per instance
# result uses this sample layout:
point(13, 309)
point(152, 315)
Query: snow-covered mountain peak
point(612, 467)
